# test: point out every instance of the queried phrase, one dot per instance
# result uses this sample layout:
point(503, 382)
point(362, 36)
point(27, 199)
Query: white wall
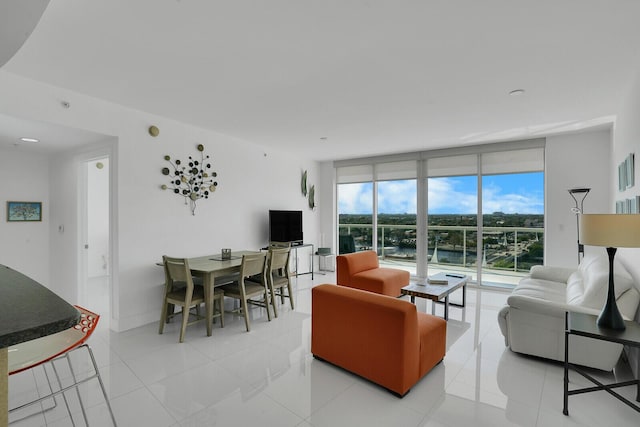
point(626, 139)
point(24, 246)
point(151, 222)
point(572, 161)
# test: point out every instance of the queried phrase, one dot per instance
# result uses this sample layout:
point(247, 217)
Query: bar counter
point(28, 311)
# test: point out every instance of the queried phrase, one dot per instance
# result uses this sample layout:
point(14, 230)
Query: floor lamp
point(581, 194)
point(611, 231)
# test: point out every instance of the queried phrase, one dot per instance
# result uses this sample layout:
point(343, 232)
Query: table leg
point(413, 299)
point(208, 282)
point(464, 295)
point(433, 307)
point(446, 307)
point(4, 387)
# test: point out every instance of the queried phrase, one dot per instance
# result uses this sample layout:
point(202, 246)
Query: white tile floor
point(268, 377)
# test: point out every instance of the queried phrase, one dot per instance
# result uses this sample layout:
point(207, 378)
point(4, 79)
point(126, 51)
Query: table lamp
point(611, 231)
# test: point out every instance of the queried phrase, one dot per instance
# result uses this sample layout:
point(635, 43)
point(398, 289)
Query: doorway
point(95, 284)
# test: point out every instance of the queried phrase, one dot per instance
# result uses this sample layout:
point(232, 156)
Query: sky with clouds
point(512, 193)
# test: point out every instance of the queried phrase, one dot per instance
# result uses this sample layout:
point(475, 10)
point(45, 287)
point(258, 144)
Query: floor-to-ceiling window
point(452, 218)
point(512, 214)
point(396, 219)
point(355, 209)
point(478, 210)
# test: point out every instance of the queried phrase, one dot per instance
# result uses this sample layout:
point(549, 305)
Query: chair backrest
point(32, 353)
point(177, 270)
point(252, 265)
point(346, 244)
point(278, 260)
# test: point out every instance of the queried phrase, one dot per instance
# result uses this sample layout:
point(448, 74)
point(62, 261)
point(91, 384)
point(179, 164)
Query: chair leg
point(221, 308)
point(163, 316)
point(64, 396)
point(185, 320)
point(273, 301)
point(104, 391)
point(245, 311)
point(290, 295)
point(266, 304)
point(75, 381)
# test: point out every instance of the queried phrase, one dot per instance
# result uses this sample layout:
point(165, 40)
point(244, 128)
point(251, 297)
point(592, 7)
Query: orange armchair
point(362, 270)
point(380, 338)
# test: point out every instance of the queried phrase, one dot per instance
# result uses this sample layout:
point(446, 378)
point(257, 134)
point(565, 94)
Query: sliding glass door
point(513, 215)
point(452, 214)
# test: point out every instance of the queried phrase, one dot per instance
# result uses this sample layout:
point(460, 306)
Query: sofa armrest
point(553, 274)
point(548, 308)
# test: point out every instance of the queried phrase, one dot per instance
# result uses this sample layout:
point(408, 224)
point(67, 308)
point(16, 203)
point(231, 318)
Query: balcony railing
point(513, 249)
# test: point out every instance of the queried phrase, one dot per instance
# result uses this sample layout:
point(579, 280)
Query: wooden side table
point(584, 325)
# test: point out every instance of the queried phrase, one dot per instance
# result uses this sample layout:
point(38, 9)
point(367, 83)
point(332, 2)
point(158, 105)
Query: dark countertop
point(28, 310)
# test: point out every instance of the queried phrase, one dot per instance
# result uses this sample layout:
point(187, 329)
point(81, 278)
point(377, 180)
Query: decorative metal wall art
point(193, 181)
point(303, 183)
point(310, 194)
point(312, 197)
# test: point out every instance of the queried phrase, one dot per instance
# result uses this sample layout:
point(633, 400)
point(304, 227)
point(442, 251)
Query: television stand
point(295, 247)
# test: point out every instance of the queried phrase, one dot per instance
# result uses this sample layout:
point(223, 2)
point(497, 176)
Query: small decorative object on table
point(226, 254)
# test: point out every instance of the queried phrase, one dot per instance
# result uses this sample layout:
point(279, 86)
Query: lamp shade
point(610, 230)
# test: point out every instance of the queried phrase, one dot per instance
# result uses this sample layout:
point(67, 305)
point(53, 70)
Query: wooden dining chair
point(278, 276)
point(180, 290)
point(250, 291)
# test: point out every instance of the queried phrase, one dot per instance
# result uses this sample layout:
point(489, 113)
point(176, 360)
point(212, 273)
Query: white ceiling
point(371, 76)
point(51, 137)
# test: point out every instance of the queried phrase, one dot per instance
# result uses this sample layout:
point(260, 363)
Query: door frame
point(108, 151)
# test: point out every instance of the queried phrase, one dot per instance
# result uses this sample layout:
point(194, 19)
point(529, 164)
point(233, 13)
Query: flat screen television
point(285, 226)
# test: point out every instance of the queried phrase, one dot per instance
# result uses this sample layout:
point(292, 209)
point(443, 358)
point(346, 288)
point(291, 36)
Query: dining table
point(216, 271)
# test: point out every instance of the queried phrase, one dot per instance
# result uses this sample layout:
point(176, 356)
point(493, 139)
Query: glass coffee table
point(439, 292)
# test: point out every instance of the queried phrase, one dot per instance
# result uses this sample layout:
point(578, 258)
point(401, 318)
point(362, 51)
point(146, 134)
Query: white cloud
point(355, 198)
point(397, 197)
point(445, 196)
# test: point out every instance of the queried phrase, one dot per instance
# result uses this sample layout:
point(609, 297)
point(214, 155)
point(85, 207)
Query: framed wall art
point(626, 173)
point(24, 211)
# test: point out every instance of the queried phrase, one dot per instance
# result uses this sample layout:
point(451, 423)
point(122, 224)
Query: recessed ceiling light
point(29, 140)
point(516, 92)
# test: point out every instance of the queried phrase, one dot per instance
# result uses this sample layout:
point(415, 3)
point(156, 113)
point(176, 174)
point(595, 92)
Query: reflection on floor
point(268, 377)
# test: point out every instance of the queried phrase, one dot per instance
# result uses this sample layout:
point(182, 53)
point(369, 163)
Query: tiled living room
point(269, 377)
point(405, 100)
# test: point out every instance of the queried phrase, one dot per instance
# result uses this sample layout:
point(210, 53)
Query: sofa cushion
point(541, 289)
point(595, 280)
point(386, 281)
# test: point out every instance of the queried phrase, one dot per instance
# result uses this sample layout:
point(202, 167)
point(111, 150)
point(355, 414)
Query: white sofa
point(533, 321)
